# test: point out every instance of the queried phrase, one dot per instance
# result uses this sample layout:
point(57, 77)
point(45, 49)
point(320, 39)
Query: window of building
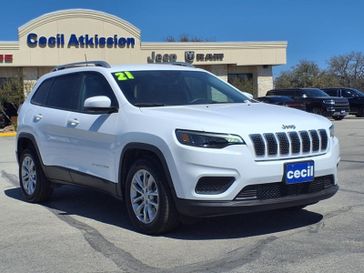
point(242, 81)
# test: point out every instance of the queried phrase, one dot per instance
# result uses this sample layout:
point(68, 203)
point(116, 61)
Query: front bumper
point(237, 161)
point(198, 208)
point(337, 111)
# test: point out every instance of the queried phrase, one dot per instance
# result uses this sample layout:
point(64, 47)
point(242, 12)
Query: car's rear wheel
point(148, 199)
point(360, 112)
point(33, 183)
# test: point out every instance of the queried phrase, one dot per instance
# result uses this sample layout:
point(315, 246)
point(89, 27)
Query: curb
point(7, 134)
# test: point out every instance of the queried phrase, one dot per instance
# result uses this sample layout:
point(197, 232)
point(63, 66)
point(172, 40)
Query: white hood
point(236, 118)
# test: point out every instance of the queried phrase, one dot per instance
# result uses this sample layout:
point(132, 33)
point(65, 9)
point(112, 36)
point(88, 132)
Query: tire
point(150, 205)
point(360, 113)
point(33, 183)
point(338, 117)
point(317, 111)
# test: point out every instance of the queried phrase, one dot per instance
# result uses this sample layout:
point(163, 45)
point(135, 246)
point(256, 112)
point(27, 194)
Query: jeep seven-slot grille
point(281, 189)
point(290, 144)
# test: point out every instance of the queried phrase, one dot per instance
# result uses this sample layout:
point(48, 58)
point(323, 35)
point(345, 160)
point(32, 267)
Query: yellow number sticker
point(124, 76)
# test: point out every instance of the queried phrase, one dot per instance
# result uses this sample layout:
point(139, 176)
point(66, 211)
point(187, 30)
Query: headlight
point(207, 140)
point(332, 131)
point(329, 101)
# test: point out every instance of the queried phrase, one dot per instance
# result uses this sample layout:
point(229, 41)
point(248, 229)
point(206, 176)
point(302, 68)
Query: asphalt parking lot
point(81, 230)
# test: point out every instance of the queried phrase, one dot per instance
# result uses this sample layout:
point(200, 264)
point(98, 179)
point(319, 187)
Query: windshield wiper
point(148, 104)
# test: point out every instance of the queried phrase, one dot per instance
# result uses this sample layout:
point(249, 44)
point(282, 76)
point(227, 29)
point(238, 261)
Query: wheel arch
point(136, 150)
point(24, 141)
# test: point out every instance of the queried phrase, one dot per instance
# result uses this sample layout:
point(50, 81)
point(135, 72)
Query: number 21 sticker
point(124, 76)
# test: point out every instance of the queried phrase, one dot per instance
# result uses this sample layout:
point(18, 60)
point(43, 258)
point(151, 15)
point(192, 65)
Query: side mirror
point(99, 105)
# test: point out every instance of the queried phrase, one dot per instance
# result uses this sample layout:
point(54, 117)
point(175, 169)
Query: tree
point(11, 96)
point(348, 69)
point(306, 74)
point(184, 38)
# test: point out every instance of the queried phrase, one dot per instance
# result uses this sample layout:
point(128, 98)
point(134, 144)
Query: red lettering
point(8, 58)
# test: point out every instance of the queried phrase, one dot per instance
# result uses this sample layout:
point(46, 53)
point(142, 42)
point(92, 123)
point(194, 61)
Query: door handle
point(73, 122)
point(37, 117)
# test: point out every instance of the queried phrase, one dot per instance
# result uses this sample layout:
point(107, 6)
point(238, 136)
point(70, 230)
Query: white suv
point(170, 140)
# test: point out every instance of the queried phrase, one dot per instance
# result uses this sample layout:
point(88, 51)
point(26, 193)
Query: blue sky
point(315, 29)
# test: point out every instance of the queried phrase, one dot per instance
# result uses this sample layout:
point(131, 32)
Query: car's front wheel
point(148, 199)
point(33, 183)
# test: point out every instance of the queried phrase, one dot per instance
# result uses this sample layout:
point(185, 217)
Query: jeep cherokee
point(170, 140)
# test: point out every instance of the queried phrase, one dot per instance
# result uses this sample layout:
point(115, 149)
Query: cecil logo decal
point(299, 172)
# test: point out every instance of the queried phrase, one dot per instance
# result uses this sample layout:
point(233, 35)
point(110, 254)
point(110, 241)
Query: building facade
point(76, 35)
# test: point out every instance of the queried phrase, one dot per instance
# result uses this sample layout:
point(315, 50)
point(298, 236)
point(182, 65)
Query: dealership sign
point(6, 58)
point(190, 57)
point(79, 41)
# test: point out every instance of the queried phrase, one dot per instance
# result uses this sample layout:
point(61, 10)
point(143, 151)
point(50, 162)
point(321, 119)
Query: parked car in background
point(283, 101)
point(4, 121)
point(354, 96)
point(316, 101)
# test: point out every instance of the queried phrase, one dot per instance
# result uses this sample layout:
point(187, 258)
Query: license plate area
point(299, 172)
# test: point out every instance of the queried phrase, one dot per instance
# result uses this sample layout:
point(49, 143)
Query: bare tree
point(185, 38)
point(349, 69)
point(306, 74)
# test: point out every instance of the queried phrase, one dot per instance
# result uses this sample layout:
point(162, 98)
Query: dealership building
point(74, 35)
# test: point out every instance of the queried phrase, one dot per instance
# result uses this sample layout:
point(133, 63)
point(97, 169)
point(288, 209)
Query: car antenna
point(86, 59)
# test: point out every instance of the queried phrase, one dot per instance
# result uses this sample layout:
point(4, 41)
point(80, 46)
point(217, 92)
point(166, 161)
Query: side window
point(347, 93)
point(298, 93)
point(95, 84)
point(331, 92)
point(65, 93)
point(40, 96)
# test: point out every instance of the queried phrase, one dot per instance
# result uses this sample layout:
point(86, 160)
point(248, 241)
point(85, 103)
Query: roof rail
point(88, 63)
point(181, 64)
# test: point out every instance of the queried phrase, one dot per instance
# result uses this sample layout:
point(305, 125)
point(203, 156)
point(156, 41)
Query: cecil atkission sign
point(82, 41)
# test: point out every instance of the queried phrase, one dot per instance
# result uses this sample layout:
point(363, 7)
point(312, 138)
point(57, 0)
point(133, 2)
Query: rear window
point(40, 96)
point(65, 93)
point(175, 87)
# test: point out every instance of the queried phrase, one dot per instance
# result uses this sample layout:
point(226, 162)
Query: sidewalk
point(7, 134)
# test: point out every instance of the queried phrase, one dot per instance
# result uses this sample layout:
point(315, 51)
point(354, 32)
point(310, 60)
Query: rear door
point(53, 101)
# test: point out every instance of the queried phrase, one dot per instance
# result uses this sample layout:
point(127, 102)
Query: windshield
point(311, 93)
point(358, 92)
point(172, 87)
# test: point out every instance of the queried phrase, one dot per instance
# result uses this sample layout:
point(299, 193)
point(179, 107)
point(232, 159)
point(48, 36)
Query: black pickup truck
point(316, 101)
point(355, 97)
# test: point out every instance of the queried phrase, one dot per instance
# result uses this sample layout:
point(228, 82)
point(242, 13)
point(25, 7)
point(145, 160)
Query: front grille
point(281, 189)
point(290, 144)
